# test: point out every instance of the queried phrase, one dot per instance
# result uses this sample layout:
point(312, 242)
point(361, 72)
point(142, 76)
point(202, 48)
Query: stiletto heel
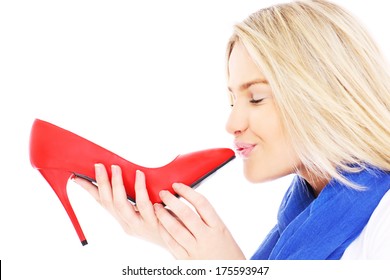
point(58, 180)
point(59, 154)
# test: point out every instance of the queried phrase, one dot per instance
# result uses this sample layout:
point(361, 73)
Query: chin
point(255, 176)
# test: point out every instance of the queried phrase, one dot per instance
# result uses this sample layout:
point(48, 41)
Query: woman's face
point(255, 123)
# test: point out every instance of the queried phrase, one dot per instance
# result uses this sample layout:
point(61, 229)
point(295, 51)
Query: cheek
point(266, 125)
point(273, 157)
point(268, 163)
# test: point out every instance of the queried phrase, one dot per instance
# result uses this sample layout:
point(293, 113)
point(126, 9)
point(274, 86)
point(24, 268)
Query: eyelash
point(256, 101)
point(253, 101)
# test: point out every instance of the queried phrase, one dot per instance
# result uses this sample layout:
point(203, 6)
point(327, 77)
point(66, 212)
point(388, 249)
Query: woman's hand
point(194, 235)
point(139, 220)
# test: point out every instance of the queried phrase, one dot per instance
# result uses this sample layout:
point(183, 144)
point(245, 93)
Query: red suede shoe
point(59, 154)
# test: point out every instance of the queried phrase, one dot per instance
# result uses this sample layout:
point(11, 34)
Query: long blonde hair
point(330, 84)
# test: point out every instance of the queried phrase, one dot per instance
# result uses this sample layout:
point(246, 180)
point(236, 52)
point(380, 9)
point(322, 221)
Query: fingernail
point(138, 172)
point(139, 175)
point(157, 206)
point(177, 186)
point(98, 165)
point(115, 168)
point(163, 193)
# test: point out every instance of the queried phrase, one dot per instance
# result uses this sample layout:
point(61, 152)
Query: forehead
point(241, 67)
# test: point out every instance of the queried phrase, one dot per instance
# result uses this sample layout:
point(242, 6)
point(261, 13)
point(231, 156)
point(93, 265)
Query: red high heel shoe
point(59, 154)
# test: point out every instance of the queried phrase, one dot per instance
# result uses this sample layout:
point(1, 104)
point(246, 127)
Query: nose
point(237, 122)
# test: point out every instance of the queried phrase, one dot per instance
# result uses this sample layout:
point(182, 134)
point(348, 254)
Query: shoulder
point(374, 241)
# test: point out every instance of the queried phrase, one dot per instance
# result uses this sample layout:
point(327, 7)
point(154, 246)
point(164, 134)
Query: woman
point(310, 96)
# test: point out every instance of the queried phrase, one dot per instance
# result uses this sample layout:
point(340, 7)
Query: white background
point(144, 79)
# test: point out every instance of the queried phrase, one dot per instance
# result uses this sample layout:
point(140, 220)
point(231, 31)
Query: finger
point(121, 205)
point(88, 186)
point(104, 186)
point(188, 217)
point(200, 203)
point(144, 205)
point(175, 248)
point(177, 231)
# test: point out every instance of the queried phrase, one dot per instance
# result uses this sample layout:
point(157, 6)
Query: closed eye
point(256, 101)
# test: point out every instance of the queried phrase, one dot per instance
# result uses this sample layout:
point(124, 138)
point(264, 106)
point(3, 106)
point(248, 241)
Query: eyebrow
point(249, 84)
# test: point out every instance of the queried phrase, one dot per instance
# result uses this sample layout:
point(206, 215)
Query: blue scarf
point(321, 228)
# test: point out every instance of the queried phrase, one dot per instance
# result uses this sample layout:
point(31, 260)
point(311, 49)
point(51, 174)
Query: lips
point(243, 149)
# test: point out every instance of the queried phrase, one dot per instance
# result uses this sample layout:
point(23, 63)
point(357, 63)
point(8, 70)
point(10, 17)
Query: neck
point(317, 183)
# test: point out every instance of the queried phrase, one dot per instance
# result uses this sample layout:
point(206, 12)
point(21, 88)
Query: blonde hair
point(330, 84)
